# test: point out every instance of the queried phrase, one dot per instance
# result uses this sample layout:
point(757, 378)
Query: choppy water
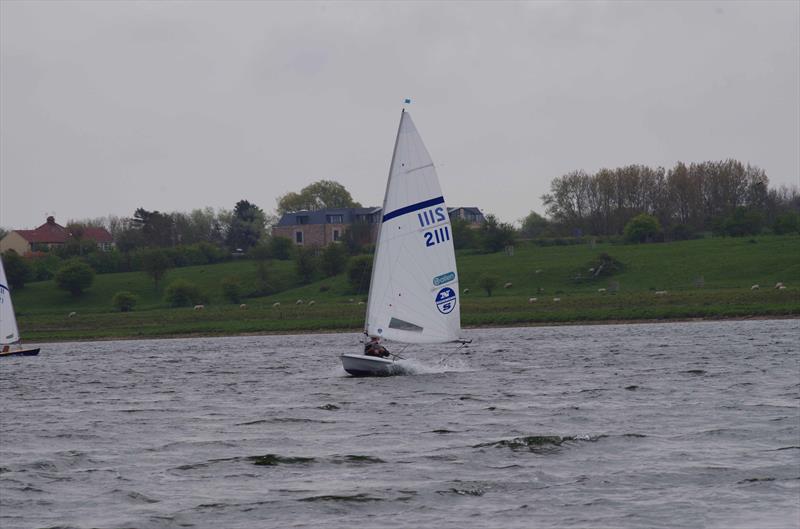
point(672, 425)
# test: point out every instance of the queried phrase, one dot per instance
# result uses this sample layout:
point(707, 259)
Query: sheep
point(298, 302)
point(601, 290)
point(276, 304)
point(199, 307)
point(591, 270)
point(72, 314)
point(532, 300)
point(466, 291)
point(556, 299)
point(243, 306)
point(661, 292)
point(755, 287)
point(310, 302)
point(538, 271)
point(361, 303)
point(508, 285)
point(778, 285)
point(782, 287)
point(351, 300)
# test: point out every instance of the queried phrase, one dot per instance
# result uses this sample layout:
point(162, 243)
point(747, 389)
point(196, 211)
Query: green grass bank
point(705, 278)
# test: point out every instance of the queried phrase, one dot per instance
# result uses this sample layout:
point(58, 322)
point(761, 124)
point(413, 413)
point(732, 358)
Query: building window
point(335, 235)
point(335, 219)
point(302, 219)
point(298, 237)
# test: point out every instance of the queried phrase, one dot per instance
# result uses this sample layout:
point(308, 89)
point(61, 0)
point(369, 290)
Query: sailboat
point(413, 294)
point(9, 332)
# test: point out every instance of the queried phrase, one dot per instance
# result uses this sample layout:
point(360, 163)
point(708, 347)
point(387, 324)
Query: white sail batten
point(414, 292)
point(9, 333)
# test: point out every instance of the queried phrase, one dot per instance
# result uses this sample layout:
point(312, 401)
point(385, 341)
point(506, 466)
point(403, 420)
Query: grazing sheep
point(661, 292)
point(298, 302)
point(361, 303)
point(778, 285)
point(508, 285)
point(591, 270)
point(310, 302)
point(466, 291)
point(72, 314)
point(538, 271)
point(199, 307)
point(556, 299)
point(532, 300)
point(276, 304)
point(243, 306)
point(351, 300)
point(782, 287)
point(601, 290)
point(755, 287)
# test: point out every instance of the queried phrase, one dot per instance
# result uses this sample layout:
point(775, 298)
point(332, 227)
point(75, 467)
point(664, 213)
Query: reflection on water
point(672, 425)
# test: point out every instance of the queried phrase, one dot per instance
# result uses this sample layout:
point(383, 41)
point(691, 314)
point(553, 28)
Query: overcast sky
point(110, 106)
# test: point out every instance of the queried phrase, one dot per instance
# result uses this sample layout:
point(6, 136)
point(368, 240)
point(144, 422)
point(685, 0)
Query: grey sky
point(109, 106)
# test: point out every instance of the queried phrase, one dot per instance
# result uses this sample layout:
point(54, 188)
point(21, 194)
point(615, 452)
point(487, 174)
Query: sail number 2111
point(436, 235)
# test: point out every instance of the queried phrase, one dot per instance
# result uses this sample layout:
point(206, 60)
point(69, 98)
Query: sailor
point(374, 348)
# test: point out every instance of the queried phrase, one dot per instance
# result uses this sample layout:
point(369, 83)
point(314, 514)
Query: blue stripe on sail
point(413, 207)
point(3, 287)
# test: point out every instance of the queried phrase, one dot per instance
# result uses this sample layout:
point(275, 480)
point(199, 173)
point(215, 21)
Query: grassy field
point(708, 278)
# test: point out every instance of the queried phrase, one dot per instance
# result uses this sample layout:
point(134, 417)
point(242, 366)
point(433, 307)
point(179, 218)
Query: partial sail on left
point(9, 332)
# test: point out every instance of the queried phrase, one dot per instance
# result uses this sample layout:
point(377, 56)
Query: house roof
point(53, 233)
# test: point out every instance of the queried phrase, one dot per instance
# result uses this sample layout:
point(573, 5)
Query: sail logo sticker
point(446, 300)
point(444, 278)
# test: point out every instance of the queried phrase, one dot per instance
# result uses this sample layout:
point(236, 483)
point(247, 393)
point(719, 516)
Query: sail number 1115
point(436, 235)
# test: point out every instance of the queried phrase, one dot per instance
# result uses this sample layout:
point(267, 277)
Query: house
point(322, 227)
point(51, 235)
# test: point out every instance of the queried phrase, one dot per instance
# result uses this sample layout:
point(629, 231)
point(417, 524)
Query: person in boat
point(374, 348)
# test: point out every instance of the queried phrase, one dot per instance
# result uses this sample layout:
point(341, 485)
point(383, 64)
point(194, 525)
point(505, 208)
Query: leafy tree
point(358, 235)
point(786, 223)
point(247, 226)
point(333, 259)
point(232, 289)
point(319, 195)
point(264, 285)
point(124, 301)
point(156, 263)
point(495, 235)
point(155, 228)
point(642, 228)
point(305, 263)
point(74, 276)
point(464, 235)
point(75, 247)
point(46, 266)
point(18, 270)
point(359, 273)
point(182, 293)
point(681, 232)
point(534, 225)
point(739, 223)
point(488, 282)
point(281, 248)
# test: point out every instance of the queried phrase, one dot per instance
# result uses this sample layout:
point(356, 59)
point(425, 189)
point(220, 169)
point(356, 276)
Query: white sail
point(9, 333)
point(414, 295)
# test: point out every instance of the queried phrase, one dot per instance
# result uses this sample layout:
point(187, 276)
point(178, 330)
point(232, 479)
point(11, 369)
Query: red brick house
point(50, 235)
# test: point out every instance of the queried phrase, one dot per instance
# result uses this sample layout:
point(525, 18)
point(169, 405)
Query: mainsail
point(9, 333)
point(413, 295)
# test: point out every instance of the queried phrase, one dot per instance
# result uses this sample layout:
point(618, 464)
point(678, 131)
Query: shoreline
point(642, 321)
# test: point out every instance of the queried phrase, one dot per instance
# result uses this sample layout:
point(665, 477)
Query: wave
point(548, 443)
point(359, 498)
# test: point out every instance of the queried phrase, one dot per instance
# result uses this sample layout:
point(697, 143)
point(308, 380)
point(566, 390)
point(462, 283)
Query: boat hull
point(20, 352)
point(368, 366)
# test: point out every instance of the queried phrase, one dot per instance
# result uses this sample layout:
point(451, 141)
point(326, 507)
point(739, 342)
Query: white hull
point(360, 365)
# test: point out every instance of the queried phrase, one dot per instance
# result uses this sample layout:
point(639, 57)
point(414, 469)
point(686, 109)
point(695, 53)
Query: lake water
point(679, 425)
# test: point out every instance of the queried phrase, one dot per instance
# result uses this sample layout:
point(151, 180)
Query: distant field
point(703, 278)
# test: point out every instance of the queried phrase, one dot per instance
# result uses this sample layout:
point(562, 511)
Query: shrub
point(74, 276)
point(642, 228)
point(182, 293)
point(124, 301)
point(602, 266)
point(333, 259)
point(155, 263)
point(488, 282)
point(305, 263)
point(786, 223)
point(18, 271)
point(739, 223)
point(280, 248)
point(359, 273)
point(681, 232)
point(232, 289)
point(45, 267)
point(495, 235)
